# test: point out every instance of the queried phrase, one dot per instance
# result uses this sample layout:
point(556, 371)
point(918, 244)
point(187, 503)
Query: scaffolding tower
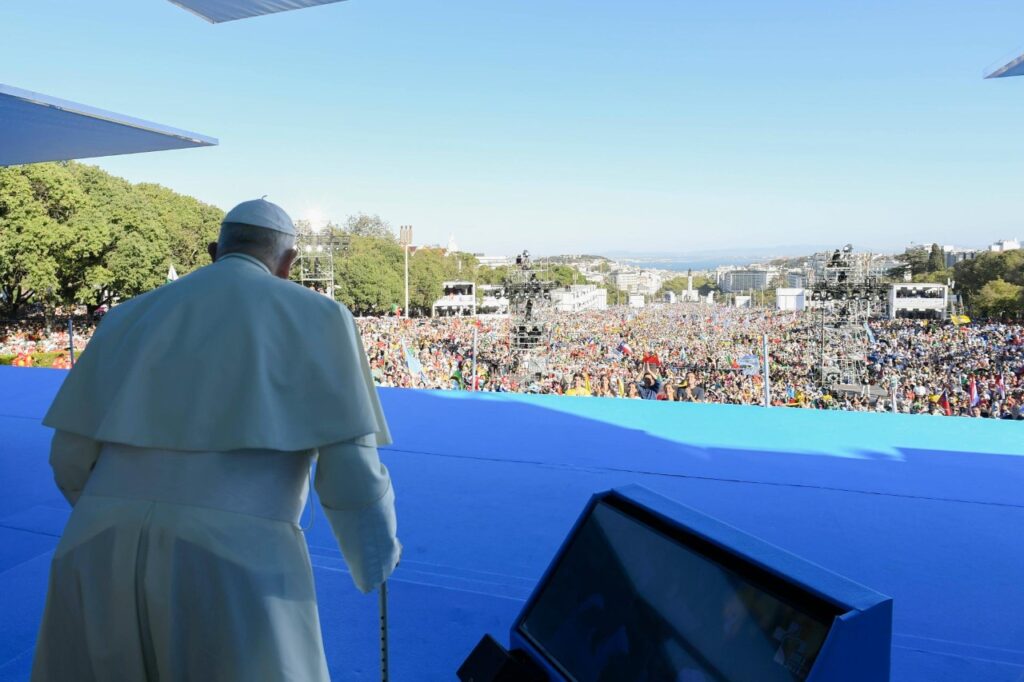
point(314, 266)
point(530, 306)
point(846, 298)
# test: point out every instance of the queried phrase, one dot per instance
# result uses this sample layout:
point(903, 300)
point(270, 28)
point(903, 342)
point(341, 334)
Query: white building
point(918, 301)
point(1005, 245)
point(649, 282)
point(744, 280)
point(458, 300)
point(627, 280)
point(578, 297)
point(954, 255)
point(790, 299)
point(636, 301)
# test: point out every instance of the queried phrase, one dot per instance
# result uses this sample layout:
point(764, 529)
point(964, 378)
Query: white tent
point(216, 11)
point(35, 127)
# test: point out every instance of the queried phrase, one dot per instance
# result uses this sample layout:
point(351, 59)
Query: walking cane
point(384, 631)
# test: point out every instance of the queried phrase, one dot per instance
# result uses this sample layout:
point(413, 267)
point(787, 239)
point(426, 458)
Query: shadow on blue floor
point(927, 510)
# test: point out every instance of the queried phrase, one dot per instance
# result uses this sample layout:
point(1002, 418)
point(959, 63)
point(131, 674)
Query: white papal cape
point(184, 437)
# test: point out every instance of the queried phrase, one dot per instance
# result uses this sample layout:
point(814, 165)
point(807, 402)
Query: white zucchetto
point(261, 213)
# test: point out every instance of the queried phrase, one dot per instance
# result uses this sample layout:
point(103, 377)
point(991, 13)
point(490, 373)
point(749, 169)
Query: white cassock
point(184, 437)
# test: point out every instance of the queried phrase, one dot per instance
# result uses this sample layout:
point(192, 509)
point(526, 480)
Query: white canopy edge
point(218, 11)
point(35, 127)
point(1014, 67)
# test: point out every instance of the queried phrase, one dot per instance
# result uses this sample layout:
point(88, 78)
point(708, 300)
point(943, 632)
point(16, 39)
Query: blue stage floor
point(927, 510)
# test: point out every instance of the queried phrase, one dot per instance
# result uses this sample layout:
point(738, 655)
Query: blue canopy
point(216, 11)
point(1015, 67)
point(35, 127)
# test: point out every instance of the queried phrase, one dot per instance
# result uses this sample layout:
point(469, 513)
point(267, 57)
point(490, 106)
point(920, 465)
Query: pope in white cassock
point(183, 439)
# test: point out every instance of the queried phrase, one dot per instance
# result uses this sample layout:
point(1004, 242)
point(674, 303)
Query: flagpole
point(767, 381)
point(474, 355)
point(71, 339)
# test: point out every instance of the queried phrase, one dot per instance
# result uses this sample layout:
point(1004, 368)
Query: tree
point(936, 259)
point(936, 276)
point(972, 275)
point(428, 268)
point(364, 225)
point(190, 225)
point(916, 257)
point(129, 246)
point(488, 275)
point(73, 234)
point(36, 203)
point(564, 275)
point(369, 280)
point(998, 297)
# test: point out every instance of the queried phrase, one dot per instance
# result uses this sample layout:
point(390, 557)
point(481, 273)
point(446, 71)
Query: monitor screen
point(633, 597)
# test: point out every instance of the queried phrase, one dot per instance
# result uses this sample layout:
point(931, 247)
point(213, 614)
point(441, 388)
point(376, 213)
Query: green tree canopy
point(972, 275)
point(916, 257)
point(364, 225)
point(677, 285)
point(999, 297)
point(369, 278)
point(72, 233)
point(936, 259)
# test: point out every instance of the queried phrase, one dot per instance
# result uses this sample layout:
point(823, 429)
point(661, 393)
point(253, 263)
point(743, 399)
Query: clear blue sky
point(569, 125)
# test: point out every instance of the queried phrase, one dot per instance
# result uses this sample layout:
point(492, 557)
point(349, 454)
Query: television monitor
point(635, 594)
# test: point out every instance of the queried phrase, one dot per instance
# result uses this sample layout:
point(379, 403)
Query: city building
point(745, 280)
point(954, 255)
point(458, 300)
point(1004, 245)
point(578, 297)
point(918, 301)
point(627, 280)
point(649, 282)
point(796, 279)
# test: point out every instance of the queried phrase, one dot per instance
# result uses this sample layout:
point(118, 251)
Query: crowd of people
point(23, 340)
point(686, 353)
point(710, 354)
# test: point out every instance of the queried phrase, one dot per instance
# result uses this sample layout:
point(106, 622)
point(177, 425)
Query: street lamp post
point(405, 239)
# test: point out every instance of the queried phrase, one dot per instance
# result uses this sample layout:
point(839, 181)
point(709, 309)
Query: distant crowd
point(21, 342)
point(709, 354)
point(685, 353)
